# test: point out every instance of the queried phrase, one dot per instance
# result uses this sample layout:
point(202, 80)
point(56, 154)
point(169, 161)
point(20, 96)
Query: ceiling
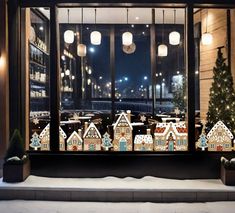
point(118, 15)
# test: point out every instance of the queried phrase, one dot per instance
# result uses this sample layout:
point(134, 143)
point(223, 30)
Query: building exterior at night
point(53, 73)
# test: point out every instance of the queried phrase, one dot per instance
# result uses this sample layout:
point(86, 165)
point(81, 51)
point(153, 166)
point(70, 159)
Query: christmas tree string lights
point(222, 96)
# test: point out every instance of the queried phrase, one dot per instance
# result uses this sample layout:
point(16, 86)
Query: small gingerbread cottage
point(122, 130)
point(74, 142)
point(219, 138)
point(143, 142)
point(170, 137)
point(92, 138)
point(45, 138)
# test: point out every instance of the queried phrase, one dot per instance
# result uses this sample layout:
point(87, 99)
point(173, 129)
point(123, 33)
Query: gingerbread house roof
point(74, 134)
point(92, 125)
point(147, 139)
point(178, 128)
point(215, 127)
point(122, 117)
point(47, 129)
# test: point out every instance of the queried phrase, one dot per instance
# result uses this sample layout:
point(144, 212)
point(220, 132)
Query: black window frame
point(17, 111)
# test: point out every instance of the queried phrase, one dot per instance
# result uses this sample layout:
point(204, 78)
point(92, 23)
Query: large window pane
point(214, 74)
point(36, 51)
point(171, 82)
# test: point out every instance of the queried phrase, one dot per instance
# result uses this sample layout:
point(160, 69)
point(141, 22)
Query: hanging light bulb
point(174, 36)
point(81, 48)
point(67, 72)
point(68, 34)
point(162, 48)
point(127, 37)
point(95, 36)
point(207, 38)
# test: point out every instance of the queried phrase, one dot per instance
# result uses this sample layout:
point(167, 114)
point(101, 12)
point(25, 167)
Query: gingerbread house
point(92, 138)
point(122, 130)
point(170, 137)
point(74, 142)
point(143, 142)
point(45, 138)
point(219, 138)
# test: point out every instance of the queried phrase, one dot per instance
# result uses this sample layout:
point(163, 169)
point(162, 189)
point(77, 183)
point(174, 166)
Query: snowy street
point(20, 206)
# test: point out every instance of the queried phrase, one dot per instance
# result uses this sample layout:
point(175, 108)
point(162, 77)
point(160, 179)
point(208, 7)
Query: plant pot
point(227, 176)
point(16, 171)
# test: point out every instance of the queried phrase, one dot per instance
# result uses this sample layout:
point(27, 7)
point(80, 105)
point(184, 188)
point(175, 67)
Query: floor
point(20, 206)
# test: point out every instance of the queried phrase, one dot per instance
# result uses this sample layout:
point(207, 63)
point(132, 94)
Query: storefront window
point(214, 74)
point(35, 42)
point(112, 98)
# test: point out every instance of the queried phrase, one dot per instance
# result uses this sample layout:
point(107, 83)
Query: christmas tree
point(202, 142)
point(35, 141)
point(179, 99)
point(106, 142)
point(16, 146)
point(222, 96)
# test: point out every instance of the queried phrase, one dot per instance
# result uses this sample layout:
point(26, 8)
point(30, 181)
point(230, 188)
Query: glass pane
point(86, 86)
point(35, 53)
point(85, 76)
point(171, 82)
point(215, 124)
point(133, 66)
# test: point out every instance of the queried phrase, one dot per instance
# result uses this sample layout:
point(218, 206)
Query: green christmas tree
point(222, 96)
point(179, 99)
point(16, 146)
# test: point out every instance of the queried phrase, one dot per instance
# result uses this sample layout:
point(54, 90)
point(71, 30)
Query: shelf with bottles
point(66, 89)
point(38, 74)
point(39, 48)
point(38, 93)
point(37, 56)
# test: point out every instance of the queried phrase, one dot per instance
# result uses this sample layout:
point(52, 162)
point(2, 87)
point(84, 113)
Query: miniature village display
point(202, 142)
point(220, 138)
point(143, 142)
point(35, 141)
point(170, 137)
point(74, 142)
point(167, 137)
point(106, 142)
point(92, 138)
point(45, 138)
point(122, 129)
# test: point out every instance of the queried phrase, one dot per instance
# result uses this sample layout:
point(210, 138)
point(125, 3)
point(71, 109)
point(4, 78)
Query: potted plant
point(16, 167)
point(228, 171)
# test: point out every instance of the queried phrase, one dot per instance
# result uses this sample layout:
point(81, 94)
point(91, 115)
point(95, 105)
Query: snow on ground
point(147, 182)
point(20, 206)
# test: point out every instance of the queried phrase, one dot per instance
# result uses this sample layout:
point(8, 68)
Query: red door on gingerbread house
point(219, 148)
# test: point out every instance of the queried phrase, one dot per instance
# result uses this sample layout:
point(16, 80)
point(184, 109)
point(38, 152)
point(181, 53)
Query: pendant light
point(127, 37)
point(95, 36)
point(207, 38)
point(81, 48)
point(174, 36)
point(162, 48)
point(68, 34)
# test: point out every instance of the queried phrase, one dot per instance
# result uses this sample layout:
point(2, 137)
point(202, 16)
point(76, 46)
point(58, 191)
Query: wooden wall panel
point(4, 85)
point(217, 26)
